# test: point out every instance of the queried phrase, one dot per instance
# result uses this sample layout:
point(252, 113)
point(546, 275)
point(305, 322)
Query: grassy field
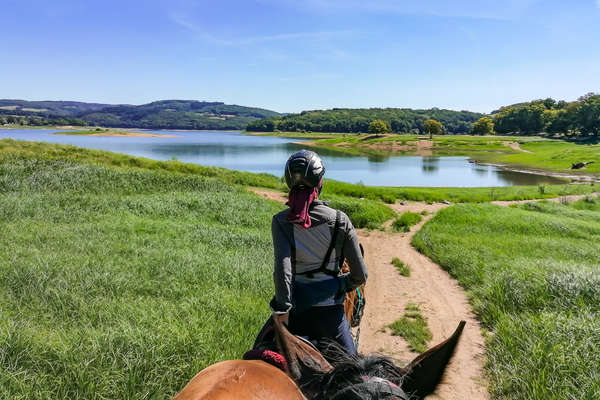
point(48, 151)
point(122, 283)
point(552, 155)
point(533, 275)
point(456, 195)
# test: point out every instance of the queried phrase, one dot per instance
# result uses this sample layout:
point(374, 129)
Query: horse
point(309, 376)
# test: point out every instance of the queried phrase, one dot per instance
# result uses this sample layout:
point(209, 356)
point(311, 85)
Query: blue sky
point(293, 55)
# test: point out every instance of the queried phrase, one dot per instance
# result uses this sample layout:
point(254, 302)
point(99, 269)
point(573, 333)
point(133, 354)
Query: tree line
point(30, 120)
point(577, 118)
point(399, 120)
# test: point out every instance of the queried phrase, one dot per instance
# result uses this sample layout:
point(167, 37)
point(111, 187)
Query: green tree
point(588, 115)
point(433, 127)
point(379, 126)
point(483, 126)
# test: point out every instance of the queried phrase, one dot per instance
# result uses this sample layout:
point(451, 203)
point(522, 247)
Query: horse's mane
point(350, 370)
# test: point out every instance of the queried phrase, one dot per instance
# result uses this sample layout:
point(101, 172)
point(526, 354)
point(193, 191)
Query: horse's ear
point(302, 358)
point(426, 370)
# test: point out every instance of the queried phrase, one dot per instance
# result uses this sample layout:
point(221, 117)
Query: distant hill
point(48, 108)
point(401, 120)
point(164, 114)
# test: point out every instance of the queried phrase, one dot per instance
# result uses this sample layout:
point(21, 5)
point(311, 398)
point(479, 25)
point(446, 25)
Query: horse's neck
point(303, 359)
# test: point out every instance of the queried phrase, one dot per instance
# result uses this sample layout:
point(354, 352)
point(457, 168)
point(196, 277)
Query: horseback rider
point(310, 241)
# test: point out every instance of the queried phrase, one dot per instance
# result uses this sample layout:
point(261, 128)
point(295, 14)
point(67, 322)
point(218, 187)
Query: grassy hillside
point(533, 273)
point(177, 114)
point(122, 277)
point(54, 108)
point(123, 283)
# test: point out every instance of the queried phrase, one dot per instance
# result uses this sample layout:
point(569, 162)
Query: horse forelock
point(350, 371)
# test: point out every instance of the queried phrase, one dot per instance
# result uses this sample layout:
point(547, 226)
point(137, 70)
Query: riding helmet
point(304, 168)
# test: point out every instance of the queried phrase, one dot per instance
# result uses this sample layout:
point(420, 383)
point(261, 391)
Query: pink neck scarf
point(299, 202)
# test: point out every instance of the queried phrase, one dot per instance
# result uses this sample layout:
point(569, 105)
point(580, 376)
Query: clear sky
point(293, 55)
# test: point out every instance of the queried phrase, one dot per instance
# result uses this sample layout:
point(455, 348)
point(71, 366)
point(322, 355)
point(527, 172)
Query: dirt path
point(569, 199)
point(442, 301)
point(515, 146)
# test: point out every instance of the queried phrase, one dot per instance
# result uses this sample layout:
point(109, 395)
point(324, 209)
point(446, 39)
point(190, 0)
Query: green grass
point(413, 328)
point(122, 283)
point(363, 213)
point(555, 155)
point(405, 221)
point(401, 267)
point(455, 195)
point(533, 274)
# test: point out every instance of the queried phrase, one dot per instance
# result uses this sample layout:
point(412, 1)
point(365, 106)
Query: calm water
point(268, 154)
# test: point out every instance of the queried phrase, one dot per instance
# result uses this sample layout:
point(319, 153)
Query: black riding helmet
point(304, 168)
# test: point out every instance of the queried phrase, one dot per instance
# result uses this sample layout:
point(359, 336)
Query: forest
point(544, 116)
point(401, 120)
point(576, 118)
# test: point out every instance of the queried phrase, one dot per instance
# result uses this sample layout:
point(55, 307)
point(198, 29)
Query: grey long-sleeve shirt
point(310, 248)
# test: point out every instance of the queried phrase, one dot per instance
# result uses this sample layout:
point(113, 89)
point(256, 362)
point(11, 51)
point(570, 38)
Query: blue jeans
point(327, 322)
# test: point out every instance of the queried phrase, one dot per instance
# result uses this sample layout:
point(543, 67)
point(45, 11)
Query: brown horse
point(311, 376)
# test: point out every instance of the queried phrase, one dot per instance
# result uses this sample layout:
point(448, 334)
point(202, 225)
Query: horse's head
point(375, 377)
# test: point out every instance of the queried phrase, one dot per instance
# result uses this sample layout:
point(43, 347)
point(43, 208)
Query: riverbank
point(532, 154)
point(332, 187)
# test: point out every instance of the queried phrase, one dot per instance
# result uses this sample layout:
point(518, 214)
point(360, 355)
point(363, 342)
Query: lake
point(268, 154)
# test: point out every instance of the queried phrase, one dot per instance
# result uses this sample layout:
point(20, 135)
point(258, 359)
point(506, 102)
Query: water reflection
point(430, 164)
point(481, 170)
point(269, 154)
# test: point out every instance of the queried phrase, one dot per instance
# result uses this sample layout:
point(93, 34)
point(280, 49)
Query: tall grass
point(455, 195)
point(363, 213)
point(49, 151)
point(123, 283)
point(533, 273)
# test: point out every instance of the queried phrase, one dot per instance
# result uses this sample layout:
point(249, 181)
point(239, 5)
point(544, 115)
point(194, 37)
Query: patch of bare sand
point(563, 199)
point(270, 194)
point(133, 134)
point(515, 146)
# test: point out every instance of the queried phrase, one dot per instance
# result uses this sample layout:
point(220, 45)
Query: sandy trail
point(442, 301)
point(568, 199)
point(515, 146)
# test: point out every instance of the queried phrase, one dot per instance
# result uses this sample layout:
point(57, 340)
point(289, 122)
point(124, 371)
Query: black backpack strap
point(336, 228)
point(323, 267)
